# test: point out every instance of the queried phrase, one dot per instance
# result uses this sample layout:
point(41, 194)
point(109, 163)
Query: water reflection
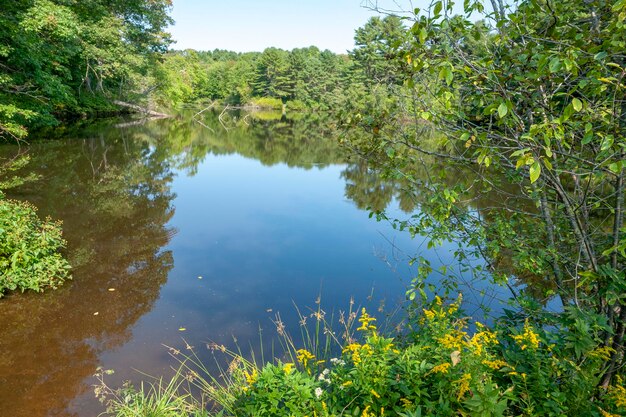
point(112, 194)
point(177, 224)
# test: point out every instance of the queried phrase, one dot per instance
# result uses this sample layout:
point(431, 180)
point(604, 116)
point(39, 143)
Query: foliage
point(439, 368)
point(29, 257)
point(29, 246)
point(267, 103)
point(307, 77)
point(530, 98)
point(57, 56)
point(157, 399)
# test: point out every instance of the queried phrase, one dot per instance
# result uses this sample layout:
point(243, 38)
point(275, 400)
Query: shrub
point(29, 249)
point(267, 103)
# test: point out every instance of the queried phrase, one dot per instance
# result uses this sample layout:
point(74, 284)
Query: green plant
point(29, 249)
point(439, 368)
point(267, 103)
point(156, 399)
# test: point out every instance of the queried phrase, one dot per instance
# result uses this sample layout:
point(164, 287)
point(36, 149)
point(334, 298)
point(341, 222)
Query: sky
point(253, 25)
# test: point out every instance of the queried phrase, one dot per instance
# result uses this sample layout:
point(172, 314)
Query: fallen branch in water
point(140, 109)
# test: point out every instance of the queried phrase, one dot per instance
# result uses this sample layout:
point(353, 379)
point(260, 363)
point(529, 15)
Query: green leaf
point(555, 64)
point(502, 110)
point(423, 34)
point(437, 9)
point(535, 171)
point(607, 142)
point(577, 104)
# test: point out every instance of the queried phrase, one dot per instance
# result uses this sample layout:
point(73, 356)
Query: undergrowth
point(520, 366)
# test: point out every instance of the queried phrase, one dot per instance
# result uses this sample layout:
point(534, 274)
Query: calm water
point(177, 230)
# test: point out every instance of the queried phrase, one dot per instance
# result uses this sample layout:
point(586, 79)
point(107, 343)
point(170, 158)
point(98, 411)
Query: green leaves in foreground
point(29, 257)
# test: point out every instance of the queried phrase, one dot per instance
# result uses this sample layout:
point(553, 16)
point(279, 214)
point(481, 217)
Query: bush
point(29, 257)
point(267, 103)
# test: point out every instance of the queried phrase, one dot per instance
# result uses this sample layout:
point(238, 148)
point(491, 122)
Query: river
point(183, 233)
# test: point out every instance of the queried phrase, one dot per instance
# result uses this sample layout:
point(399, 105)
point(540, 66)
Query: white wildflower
point(318, 392)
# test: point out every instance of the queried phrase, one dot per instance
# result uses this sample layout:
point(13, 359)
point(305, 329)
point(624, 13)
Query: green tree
point(65, 58)
point(272, 75)
point(378, 49)
point(532, 94)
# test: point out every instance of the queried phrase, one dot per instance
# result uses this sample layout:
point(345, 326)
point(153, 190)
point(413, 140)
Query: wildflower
point(324, 376)
point(366, 413)
point(441, 368)
point(406, 403)
point(528, 339)
point(464, 385)
point(358, 351)
point(603, 352)
point(288, 367)
point(337, 361)
point(618, 393)
point(234, 365)
point(430, 315)
point(365, 321)
point(455, 306)
point(481, 339)
point(304, 356)
point(318, 392)
point(374, 393)
point(346, 384)
point(251, 377)
point(450, 341)
point(496, 364)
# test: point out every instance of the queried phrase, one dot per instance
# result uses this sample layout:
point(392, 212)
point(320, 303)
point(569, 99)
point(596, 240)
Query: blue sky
point(253, 25)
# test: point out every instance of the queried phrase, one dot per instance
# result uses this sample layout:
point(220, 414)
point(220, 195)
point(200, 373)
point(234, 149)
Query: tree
point(378, 49)
point(272, 74)
point(66, 58)
point(532, 96)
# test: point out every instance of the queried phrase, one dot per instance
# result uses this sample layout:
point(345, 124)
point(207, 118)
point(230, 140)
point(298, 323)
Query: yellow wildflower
point(251, 377)
point(406, 403)
point(496, 364)
point(618, 393)
point(441, 368)
point(528, 339)
point(288, 367)
point(365, 321)
point(454, 341)
point(430, 315)
point(481, 339)
point(464, 385)
point(304, 356)
point(346, 384)
point(366, 413)
point(603, 352)
point(455, 306)
point(374, 393)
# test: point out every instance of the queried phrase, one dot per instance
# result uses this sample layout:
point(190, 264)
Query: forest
point(443, 108)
